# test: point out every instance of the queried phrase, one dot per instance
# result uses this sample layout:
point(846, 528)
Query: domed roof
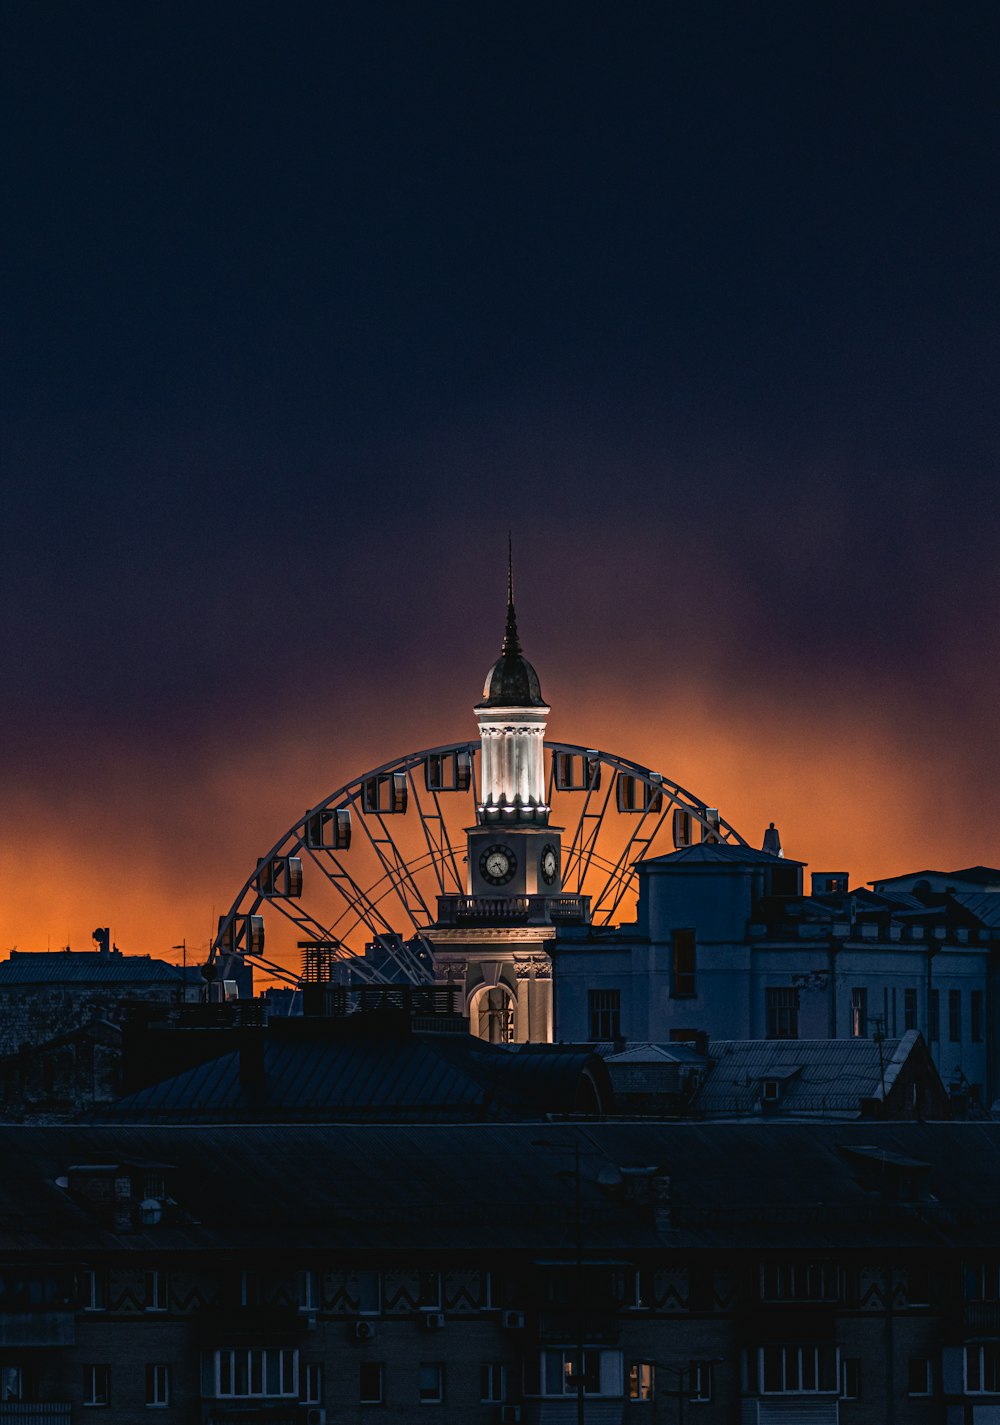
point(511, 682)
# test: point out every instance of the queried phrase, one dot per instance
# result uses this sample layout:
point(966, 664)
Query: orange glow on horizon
point(847, 792)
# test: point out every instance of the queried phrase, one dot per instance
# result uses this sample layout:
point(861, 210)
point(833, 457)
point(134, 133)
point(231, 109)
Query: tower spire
point(511, 645)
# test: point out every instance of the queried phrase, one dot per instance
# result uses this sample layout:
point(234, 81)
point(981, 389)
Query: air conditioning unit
point(513, 1321)
point(314, 1415)
point(510, 1414)
point(433, 1320)
point(364, 1330)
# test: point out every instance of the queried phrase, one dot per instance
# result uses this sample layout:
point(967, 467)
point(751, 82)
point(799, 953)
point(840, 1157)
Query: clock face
point(549, 864)
point(498, 864)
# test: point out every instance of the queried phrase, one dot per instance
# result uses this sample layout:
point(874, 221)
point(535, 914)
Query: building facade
point(725, 944)
point(307, 1276)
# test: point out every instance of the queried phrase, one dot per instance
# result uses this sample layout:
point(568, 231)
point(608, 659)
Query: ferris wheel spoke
point(407, 891)
point(634, 850)
point(358, 902)
point(587, 834)
point(439, 847)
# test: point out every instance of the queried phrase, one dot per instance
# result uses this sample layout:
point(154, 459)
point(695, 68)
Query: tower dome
point(512, 682)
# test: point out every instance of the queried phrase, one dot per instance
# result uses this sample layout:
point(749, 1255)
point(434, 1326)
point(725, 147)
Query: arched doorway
point(492, 1015)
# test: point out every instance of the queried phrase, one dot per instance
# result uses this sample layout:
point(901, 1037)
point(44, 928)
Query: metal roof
point(984, 905)
point(383, 1077)
point(818, 1075)
point(721, 851)
point(78, 967)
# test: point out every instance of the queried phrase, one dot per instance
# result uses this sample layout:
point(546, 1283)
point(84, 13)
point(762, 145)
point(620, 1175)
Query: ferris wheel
point(369, 867)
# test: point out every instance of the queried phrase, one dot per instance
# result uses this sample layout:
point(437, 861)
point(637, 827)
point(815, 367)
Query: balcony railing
point(513, 910)
point(982, 1316)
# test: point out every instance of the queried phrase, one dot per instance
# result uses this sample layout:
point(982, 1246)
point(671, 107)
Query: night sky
point(306, 304)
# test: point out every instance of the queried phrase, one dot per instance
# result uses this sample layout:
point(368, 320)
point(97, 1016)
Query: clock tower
point(512, 850)
point(493, 941)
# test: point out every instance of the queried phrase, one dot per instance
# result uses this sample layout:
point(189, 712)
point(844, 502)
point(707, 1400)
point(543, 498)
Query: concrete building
point(495, 1274)
point(725, 944)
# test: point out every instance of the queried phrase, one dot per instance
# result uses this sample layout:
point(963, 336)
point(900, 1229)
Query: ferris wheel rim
point(348, 793)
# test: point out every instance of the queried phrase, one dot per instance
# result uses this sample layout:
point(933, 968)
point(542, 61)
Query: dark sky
point(305, 304)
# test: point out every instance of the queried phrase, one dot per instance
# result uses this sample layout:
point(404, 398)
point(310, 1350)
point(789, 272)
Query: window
point(919, 1376)
point(850, 1378)
point(602, 1373)
point(955, 1016)
point(370, 1382)
point(94, 1291)
point(369, 1293)
point(634, 1289)
point(431, 1382)
point(157, 1386)
point(982, 1368)
point(249, 1289)
point(782, 1013)
point(312, 1383)
point(682, 964)
point(799, 1281)
point(909, 1009)
point(429, 1291)
point(156, 1291)
point(700, 1380)
point(798, 1370)
point(982, 1281)
point(11, 1383)
point(308, 1290)
point(256, 1371)
point(640, 1380)
point(859, 1012)
point(493, 1383)
point(976, 1016)
point(97, 1385)
point(933, 1017)
point(605, 1014)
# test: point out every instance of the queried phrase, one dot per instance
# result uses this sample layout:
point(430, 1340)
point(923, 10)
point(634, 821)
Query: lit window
point(640, 1380)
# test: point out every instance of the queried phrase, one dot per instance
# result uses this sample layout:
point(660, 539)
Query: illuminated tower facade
point(512, 851)
point(493, 941)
